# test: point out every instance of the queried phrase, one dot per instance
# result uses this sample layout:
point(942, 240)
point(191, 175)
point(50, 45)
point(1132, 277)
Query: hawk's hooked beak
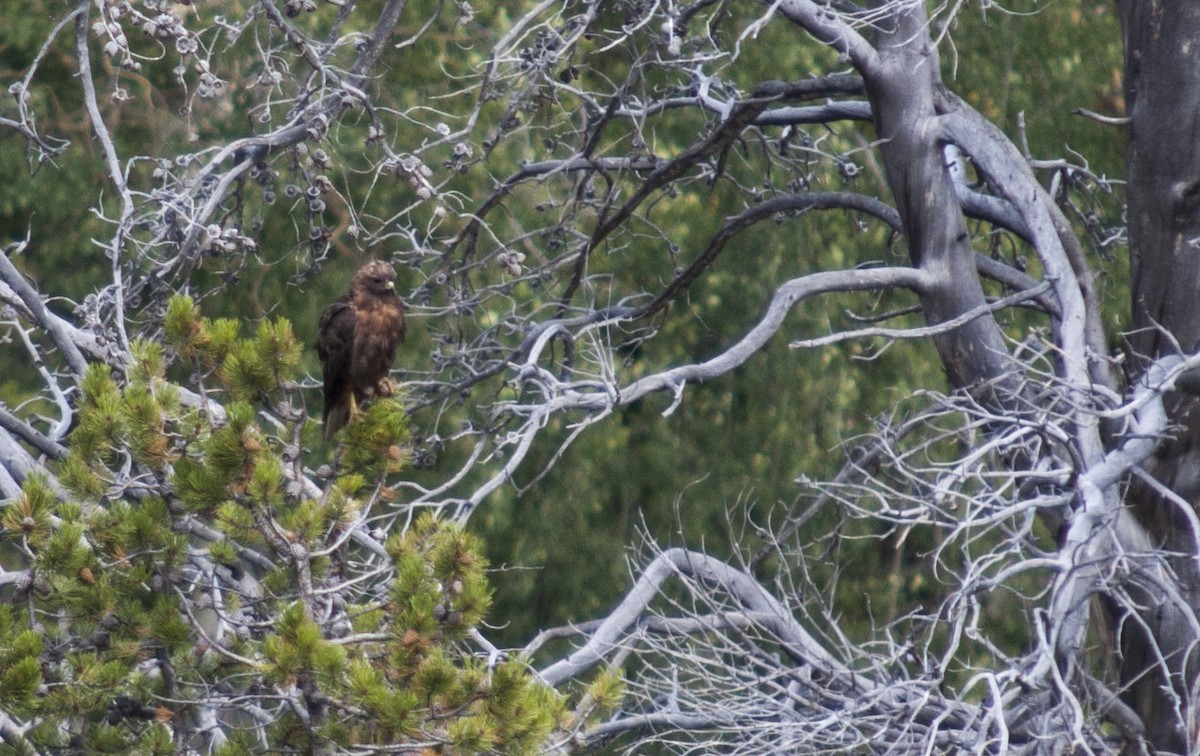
point(390, 284)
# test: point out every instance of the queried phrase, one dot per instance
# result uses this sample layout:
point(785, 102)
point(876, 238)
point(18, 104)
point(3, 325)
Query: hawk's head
point(376, 277)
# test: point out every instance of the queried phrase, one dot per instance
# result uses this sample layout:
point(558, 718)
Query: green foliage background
point(727, 458)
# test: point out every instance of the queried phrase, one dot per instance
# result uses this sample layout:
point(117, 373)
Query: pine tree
point(194, 589)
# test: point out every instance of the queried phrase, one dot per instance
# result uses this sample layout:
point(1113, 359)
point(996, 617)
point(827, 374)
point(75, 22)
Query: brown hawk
point(357, 342)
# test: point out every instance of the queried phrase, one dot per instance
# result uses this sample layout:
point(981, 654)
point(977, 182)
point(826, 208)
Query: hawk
point(357, 342)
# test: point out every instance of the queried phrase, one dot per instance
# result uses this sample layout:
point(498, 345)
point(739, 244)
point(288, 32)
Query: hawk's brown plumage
point(357, 343)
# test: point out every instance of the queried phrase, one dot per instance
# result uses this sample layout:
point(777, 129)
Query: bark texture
point(902, 88)
point(1162, 99)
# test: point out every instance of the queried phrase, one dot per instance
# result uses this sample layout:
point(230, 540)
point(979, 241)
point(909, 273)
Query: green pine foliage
point(371, 438)
point(20, 666)
point(186, 571)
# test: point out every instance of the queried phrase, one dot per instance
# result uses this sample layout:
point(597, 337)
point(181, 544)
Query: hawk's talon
point(386, 387)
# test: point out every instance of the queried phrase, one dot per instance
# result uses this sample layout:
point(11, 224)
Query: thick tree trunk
point(902, 94)
point(1162, 97)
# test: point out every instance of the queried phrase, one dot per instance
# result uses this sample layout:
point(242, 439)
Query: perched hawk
point(357, 343)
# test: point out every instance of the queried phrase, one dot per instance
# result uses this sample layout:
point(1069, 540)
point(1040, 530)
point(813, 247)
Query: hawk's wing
point(335, 347)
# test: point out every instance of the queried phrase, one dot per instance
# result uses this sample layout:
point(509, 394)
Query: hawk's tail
point(337, 415)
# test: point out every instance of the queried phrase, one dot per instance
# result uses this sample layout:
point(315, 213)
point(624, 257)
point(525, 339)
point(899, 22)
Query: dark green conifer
point(190, 571)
